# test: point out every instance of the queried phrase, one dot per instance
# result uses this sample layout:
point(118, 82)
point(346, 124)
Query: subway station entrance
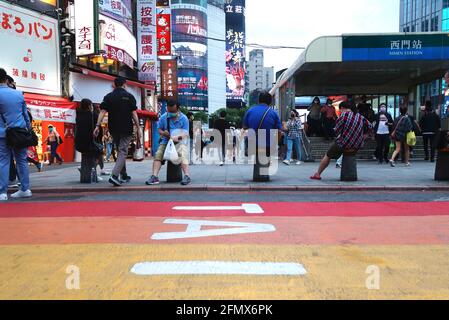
point(387, 68)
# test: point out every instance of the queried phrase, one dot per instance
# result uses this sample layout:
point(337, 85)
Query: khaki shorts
point(334, 152)
point(180, 148)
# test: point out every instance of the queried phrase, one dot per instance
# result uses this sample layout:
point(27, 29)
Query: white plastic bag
point(170, 152)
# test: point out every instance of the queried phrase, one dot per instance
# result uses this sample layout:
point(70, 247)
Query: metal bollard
point(442, 165)
point(174, 172)
point(349, 166)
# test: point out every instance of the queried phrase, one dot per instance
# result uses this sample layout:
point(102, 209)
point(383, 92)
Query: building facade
point(426, 16)
point(259, 76)
point(216, 22)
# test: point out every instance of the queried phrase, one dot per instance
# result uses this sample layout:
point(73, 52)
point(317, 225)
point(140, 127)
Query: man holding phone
point(172, 125)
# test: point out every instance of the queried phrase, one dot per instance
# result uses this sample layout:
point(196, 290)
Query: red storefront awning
point(147, 114)
point(111, 78)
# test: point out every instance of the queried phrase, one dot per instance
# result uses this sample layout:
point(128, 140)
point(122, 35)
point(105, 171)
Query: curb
point(245, 188)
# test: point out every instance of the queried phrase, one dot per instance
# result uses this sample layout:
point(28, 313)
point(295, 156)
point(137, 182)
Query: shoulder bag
point(20, 138)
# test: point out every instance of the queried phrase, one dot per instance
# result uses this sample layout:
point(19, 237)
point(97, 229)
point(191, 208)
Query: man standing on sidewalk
point(172, 125)
point(13, 114)
point(350, 129)
point(121, 108)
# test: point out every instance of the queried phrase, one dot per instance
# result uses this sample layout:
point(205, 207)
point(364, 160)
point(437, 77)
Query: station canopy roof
point(368, 64)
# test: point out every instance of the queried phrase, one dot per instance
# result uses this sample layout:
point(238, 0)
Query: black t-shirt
point(222, 125)
point(120, 105)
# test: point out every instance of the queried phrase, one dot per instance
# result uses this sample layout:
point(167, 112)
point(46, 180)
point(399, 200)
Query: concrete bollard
point(349, 166)
point(260, 171)
point(88, 174)
point(174, 172)
point(442, 165)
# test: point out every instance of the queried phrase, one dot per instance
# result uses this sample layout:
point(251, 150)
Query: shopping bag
point(411, 139)
point(170, 152)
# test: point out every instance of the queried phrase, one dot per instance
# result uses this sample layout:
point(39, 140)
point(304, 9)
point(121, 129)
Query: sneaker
point(286, 162)
point(186, 181)
point(125, 179)
point(408, 164)
point(152, 181)
point(221, 164)
point(3, 197)
point(22, 194)
point(99, 179)
point(104, 173)
point(392, 163)
point(338, 166)
point(115, 181)
point(298, 163)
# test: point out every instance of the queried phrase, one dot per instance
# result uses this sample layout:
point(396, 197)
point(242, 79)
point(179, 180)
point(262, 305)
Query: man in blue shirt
point(13, 114)
point(172, 125)
point(263, 117)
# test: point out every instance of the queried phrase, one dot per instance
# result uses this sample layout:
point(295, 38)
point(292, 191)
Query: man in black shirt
point(222, 125)
point(121, 108)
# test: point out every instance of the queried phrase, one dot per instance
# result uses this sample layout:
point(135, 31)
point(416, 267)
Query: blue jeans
point(108, 150)
point(21, 163)
point(297, 144)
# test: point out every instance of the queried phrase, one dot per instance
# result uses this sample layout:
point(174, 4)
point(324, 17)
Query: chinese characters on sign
point(119, 10)
point(406, 47)
point(146, 39)
point(235, 50)
point(33, 60)
point(163, 21)
point(84, 27)
point(169, 79)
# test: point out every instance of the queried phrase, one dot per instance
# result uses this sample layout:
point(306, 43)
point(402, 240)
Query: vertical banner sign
point(163, 34)
point(169, 79)
point(84, 27)
point(146, 40)
point(235, 50)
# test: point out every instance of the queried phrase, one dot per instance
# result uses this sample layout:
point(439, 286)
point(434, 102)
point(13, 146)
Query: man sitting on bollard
point(350, 129)
point(262, 117)
point(172, 125)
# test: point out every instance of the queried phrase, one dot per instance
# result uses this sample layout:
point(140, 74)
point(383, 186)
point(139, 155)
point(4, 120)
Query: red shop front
point(61, 114)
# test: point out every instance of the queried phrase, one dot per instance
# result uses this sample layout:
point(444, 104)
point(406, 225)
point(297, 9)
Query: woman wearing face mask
point(54, 140)
point(383, 123)
point(329, 116)
point(293, 137)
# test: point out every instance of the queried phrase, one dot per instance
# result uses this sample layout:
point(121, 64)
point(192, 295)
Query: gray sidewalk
point(239, 177)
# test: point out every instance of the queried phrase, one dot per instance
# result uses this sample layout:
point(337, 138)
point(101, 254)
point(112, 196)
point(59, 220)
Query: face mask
point(51, 129)
point(172, 115)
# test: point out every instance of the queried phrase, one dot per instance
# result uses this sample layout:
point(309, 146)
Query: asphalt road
point(195, 245)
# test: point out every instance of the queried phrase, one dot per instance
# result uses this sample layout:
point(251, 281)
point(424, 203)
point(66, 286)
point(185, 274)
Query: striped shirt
point(349, 129)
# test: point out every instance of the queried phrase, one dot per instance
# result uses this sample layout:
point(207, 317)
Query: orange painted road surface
point(336, 243)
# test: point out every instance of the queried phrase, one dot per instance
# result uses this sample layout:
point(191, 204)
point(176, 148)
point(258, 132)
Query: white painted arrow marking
point(193, 229)
point(218, 268)
point(249, 208)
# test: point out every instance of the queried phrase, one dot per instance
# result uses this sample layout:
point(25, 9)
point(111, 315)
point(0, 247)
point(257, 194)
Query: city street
point(226, 245)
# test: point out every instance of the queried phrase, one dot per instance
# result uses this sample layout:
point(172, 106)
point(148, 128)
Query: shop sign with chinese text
point(163, 29)
point(146, 40)
point(169, 79)
point(32, 58)
point(119, 10)
point(84, 27)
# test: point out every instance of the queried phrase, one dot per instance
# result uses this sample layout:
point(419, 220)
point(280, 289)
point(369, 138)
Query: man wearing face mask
point(172, 125)
point(383, 125)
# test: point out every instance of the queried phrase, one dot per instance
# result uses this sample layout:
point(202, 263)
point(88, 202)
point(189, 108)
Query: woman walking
point(402, 125)
point(382, 128)
point(329, 116)
point(293, 137)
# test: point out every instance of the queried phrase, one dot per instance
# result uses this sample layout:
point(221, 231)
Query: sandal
point(315, 177)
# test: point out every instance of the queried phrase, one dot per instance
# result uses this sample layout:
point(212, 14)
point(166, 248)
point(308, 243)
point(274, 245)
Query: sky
point(297, 22)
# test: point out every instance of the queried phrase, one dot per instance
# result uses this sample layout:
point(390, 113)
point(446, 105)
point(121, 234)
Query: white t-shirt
point(383, 127)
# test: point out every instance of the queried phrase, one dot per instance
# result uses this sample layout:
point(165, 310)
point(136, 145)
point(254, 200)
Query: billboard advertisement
point(45, 6)
point(396, 47)
point(190, 55)
point(33, 59)
point(193, 89)
point(119, 10)
point(189, 26)
point(235, 51)
point(169, 79)
point(117, 41)
point(146, 40)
